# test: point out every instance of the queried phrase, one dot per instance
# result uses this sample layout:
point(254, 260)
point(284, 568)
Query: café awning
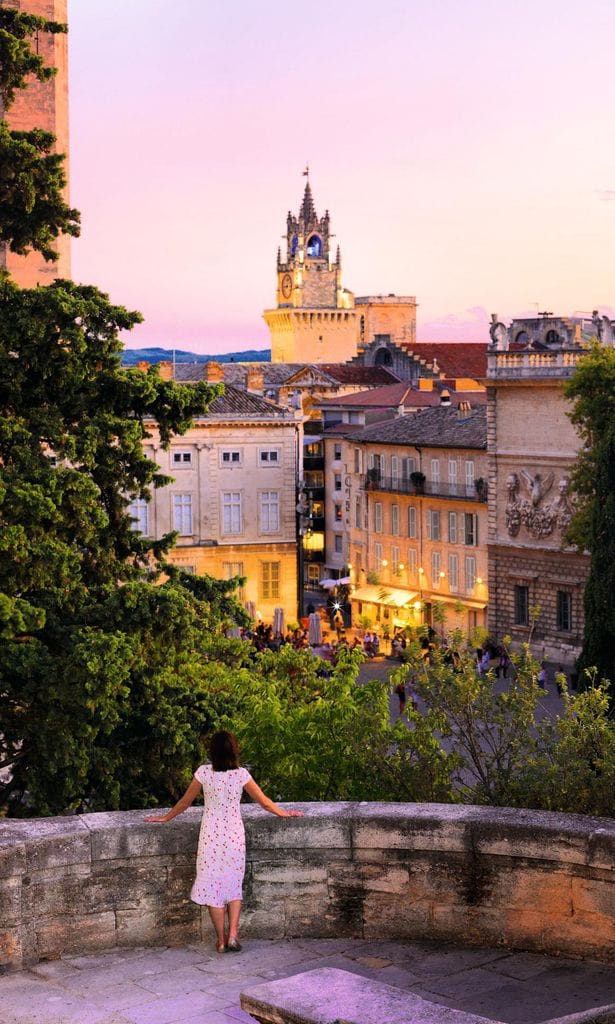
point(393, 597)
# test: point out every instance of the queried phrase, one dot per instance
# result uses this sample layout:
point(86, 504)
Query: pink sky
point(465, 152)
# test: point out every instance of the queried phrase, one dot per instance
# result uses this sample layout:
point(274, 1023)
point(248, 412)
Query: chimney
point(463, 409)
point(255, 381)
point(445, 397)
point(166, 370)
point(214, 373)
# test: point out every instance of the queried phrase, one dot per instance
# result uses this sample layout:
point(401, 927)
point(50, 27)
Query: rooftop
point(276, 374)
point(393, 395)
point(194, 985)
point(455, 358)
point(434, 428)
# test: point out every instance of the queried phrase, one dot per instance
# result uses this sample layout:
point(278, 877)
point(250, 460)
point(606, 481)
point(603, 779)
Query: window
point(180, 459)
point(269, 457)
point(182, 514)
point(470, 489)
point(470, 573)
point(436, 566)
point(452, 527)
point(337, 452)
point(338, 542)
point(230, 458)
point(453, 573)
point(470, 529)
point(313, 574)
point(433, 524)
point(357, 460)
point(435, 472)
point(138, 510)
point(231, 512)
point(412, 563)
point(377, 517)
point(314, 478)
point(270, 581)
point(338, 513)
point(357, 512)
point(564, 611)
point(229, 571)
point(411, 521)
point(452, 475)
point(395, 559)
point(337, 481)
point(313, 450)
point(378, 557)
point(269, 512)
point(408, 466)
point(395, 520)
point(522, 606)
point(394, 471)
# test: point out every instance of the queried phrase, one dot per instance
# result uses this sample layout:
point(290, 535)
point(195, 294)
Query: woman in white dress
point(221, 856)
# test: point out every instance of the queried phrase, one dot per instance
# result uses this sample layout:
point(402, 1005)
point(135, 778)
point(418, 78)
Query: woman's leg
point(217, 919)
point(234, 910)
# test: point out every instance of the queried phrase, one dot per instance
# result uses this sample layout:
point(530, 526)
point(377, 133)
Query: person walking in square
point(221, 856)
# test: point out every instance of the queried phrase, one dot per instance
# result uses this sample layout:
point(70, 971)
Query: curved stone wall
point(484, 876)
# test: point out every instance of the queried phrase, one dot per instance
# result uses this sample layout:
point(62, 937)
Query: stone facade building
point(232, 500)
point(536, 583)
point(42, 105)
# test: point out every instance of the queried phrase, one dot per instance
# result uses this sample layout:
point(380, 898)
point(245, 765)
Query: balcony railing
point(435, 489)
point(530, 363)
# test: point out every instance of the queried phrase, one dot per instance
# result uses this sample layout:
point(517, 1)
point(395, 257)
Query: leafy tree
point(592, 391)
point(104, 666)
point(33, 211)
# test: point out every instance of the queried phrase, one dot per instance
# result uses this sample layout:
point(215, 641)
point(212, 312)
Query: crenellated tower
point(314, 320)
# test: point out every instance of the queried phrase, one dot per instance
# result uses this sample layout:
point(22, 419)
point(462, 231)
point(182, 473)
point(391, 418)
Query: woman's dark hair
point(223, 751)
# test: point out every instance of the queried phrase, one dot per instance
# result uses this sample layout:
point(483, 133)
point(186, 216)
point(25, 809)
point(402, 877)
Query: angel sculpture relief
point(537, 486)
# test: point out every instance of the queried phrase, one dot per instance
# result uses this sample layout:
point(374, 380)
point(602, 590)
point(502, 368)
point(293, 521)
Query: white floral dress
point(221, 855)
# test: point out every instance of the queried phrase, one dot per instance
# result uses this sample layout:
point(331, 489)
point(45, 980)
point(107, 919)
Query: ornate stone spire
point(307, 213)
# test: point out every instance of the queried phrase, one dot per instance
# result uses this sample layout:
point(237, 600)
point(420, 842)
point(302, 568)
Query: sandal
point(220, 948)
point(233, 946)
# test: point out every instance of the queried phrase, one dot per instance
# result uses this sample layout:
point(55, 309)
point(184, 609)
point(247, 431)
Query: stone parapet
point(517, 366)
point(483, 876)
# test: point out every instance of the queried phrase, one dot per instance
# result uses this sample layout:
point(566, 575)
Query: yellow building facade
point(232, 499)
point(415, 549)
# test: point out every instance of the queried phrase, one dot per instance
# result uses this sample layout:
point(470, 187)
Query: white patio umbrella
point(251, 609)
point(278, 620)
point(314, 630)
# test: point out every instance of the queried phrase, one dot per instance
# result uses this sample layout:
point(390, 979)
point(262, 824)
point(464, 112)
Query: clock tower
point(314, 320)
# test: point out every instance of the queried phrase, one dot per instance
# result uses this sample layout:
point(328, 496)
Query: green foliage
point(18, 58)
point(33, 211)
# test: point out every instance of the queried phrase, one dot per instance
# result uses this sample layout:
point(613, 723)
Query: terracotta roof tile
point(455, 358)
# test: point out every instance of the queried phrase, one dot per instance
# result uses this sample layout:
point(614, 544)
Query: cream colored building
point(233, 496)
point(536, 583)
point(407, 547)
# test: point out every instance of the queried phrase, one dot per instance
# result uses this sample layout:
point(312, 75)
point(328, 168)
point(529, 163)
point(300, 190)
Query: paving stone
point(451, 959)
point(521, 966)
point(396, 975)
point(462, 984)
point(174, 1009)
point(183, 979)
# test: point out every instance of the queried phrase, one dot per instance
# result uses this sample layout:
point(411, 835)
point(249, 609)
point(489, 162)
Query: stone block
point(324, 996)
point(593, 896)
point(125, 836)
point(318, 830)
point(305, 917)
point(56, 843)
point(368, 877)
point(153, 924)
point(266, 922)
point(389, 917)
point(75, 934)
point(10, 902)
point(12, 858)
point(11, 950)
point(272, 881)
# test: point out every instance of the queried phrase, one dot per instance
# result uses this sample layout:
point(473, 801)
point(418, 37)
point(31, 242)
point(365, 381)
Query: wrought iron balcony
point(402, 485)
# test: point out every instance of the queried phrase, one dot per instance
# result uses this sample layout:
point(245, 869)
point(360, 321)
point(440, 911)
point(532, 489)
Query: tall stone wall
point(484, 876)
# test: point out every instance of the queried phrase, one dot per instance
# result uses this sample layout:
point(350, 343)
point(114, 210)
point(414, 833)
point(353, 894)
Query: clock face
point(287, 286)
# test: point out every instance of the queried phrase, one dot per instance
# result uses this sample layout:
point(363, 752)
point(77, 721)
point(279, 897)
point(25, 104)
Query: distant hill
point(132, 356)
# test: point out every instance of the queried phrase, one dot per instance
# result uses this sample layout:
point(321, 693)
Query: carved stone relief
point(529, 510)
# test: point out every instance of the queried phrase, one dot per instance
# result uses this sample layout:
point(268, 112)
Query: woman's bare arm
point(182, 804)
point(253, 790)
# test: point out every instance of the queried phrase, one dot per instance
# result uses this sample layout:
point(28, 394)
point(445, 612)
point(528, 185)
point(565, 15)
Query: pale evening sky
point(465, 152)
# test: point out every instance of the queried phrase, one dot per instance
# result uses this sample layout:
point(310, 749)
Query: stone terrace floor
point(194, 985)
